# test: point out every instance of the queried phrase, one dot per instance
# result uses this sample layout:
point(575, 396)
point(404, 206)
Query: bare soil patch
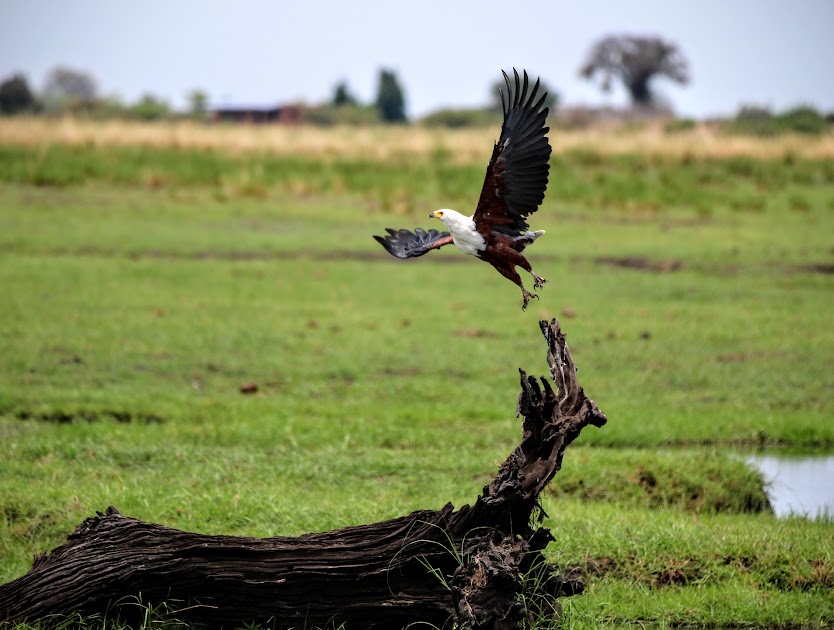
point(67, 417)
point(640, 263)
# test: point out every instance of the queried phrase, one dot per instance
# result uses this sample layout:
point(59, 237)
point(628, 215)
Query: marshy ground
point(145, 281)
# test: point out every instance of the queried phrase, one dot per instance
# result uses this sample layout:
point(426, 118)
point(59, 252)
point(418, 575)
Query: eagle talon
point(538, 281)
point(527, 295)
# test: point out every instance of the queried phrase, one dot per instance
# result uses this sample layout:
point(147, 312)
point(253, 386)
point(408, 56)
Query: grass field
point(144, 282)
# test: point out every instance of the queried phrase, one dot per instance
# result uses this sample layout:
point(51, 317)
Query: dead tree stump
point(442, 567)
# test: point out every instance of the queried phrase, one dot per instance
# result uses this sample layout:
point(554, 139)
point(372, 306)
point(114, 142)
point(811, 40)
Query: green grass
point(707, 570)
point(142, 287)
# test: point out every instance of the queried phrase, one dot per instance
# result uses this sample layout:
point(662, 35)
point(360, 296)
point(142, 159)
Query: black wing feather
point(517, 174)
point(406, 244)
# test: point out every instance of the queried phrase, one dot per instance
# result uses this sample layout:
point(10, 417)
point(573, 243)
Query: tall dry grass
point(379, 142)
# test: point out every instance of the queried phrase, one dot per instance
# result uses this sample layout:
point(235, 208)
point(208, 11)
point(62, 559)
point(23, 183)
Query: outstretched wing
point(516, 177)
point(405, 244)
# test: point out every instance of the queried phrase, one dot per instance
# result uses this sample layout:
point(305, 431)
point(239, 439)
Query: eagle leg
point(507, 269)
point(519, 259)
point(538, 281)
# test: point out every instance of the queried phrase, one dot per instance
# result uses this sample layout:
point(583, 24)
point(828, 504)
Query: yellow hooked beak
point(437, 214)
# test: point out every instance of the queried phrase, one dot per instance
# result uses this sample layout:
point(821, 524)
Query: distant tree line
point(634, 61)
point(70, 91)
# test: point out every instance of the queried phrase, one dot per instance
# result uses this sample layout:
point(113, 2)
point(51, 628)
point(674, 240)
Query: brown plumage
point(514, 186)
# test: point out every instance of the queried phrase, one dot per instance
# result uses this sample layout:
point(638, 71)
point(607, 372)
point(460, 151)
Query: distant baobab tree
point(635, 61)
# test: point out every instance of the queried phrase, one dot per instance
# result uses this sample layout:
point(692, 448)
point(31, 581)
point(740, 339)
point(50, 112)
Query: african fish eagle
point(515, 182)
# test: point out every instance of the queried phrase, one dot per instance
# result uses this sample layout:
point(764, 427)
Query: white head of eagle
point(514, 186)
point(463, 230)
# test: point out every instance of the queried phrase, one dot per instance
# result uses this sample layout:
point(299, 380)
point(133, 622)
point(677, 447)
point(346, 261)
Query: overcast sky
point(765, 52)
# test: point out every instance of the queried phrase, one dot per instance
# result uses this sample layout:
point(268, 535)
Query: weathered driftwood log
point(463, 566)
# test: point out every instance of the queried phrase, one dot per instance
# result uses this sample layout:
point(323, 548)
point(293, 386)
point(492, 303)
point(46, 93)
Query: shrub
point(679, 124)
point(150, 108)
point(753, 120)
point(760, 121)
point(456, 118)
point(803, 119)
point(329, 115)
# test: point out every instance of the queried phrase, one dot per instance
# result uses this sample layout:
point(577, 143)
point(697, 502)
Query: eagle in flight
point(515, 182)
